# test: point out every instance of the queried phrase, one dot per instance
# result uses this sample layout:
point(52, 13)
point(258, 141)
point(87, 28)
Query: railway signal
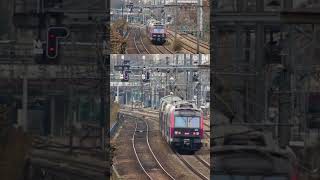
point(125, 76)
point(53, 35)
point(145, 75)
point(148, 75)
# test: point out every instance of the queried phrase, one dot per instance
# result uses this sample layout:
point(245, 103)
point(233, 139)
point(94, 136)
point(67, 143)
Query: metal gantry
point(166, 78)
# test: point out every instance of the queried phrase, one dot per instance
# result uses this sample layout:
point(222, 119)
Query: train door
point(168, 120)
point(161, 117)
point(165, 123)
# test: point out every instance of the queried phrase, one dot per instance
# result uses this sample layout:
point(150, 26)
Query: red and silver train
point(181, 123)
point(156, 32)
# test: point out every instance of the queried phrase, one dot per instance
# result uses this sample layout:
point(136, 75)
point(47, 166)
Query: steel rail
point(150, 149)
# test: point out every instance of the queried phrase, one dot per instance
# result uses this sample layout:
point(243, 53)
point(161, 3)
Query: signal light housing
point(53, 35)
point(125, 76)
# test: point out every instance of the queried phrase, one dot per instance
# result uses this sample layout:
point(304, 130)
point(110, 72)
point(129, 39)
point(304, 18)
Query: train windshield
point(187, 122)
point(159, 27)
point(248, 177)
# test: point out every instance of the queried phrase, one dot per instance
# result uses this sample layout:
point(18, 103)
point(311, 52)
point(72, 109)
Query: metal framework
point(160, 82)
point(260, 36)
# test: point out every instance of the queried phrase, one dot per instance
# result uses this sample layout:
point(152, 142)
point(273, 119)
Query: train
point(156, 31)
point(181, 123)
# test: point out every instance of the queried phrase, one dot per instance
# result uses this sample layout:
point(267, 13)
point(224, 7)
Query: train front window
point(159, 27)
point(242, 177)
point(187, 122)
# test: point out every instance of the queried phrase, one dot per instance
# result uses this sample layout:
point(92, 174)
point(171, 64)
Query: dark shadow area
point(265, 89)
point(54, 79)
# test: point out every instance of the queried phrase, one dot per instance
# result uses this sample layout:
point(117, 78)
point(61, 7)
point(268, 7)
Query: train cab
point(181, 123)
point(156, 32)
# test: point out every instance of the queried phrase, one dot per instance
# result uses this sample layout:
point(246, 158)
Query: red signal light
point(53, 35)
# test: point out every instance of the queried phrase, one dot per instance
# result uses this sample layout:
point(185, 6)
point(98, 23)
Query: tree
point(118, 42)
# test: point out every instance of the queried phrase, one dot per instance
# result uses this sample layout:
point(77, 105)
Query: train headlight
point(197, 133)
point(177, 132)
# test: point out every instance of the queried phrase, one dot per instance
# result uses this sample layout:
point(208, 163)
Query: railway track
point(187, 49)
point(194, 40)
point(192, 46)
point(204, 162)
point(141, 48)
point(144, 154)
point(131, 46)
point(80, 167)
point(163, 49)
point(154, 115)
point(195, 163)
point(137, 44)
point(196, 166)
point(157, 49)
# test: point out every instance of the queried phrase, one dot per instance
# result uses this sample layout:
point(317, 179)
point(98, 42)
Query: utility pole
point(117, 99)
point(103, 102)
point(175, 22)
point(167, 84)
point(52, 115)
point(103, 61)
point(152, 95)
point(164, 12)
point(123, 2)
point(69, 114)
point(175, 57)
point(285, 108)
point(142, 95)
point(143, 13)
point(25, 100)
point(186, 75)
point(198, 24)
